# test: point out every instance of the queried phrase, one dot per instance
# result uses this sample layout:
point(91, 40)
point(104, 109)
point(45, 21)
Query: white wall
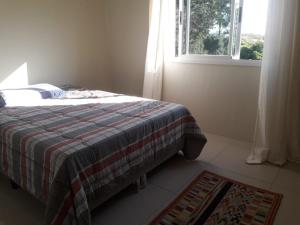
point(222, 98)
point(62, 41)
point(127, 29)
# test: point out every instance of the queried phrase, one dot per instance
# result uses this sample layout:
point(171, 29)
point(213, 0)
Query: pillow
point(48, 90)
point(21, 97)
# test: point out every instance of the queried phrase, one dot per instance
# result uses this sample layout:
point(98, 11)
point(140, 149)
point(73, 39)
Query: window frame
point(230, 59)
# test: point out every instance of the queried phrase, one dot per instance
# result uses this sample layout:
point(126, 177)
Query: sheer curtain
point(277, 134)
point(155, 50)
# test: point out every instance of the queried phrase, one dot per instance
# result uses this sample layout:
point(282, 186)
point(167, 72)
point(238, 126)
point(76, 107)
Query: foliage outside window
point(214, 27)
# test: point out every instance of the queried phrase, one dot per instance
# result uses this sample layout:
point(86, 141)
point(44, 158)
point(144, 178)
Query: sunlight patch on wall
point(19, 78)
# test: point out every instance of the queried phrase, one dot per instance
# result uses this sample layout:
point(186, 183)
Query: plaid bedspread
point(63, 150)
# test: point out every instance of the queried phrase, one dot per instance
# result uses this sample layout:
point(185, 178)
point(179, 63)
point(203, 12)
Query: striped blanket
point(64, 150)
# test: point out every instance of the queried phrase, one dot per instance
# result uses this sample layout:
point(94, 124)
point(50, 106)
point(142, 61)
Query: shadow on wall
point(17, 78)
point(62, 42)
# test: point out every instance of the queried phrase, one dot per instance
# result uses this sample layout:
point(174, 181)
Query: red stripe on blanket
point(67, 204)
point(23, 156)
point(5, 148)
point(4, 159)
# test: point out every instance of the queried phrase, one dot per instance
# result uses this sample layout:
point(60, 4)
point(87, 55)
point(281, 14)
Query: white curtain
point(155, 50)
point(277, 134)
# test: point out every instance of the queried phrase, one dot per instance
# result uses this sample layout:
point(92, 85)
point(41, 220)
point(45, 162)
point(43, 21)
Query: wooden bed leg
point(143, 182)
point(14, 185)
point(138, 185)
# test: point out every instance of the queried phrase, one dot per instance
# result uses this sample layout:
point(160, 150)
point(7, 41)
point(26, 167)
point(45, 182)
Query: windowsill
point(216, 61)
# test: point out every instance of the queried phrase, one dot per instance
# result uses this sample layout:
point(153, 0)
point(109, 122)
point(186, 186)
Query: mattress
point(65, 151)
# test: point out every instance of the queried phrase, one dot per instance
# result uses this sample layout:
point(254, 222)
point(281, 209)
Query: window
point(228, 29)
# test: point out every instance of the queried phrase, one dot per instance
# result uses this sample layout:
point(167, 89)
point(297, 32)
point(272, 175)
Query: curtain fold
point(277, 133)
point(155, 51)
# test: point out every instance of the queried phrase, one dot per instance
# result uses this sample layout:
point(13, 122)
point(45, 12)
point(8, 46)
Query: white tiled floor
point(221, 155)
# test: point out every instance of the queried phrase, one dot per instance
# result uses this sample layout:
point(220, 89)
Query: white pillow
point(20, 97)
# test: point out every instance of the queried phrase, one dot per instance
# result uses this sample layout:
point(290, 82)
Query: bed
point(74, 153)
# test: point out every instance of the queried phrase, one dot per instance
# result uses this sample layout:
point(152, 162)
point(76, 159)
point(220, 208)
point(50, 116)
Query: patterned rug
point(215, 200)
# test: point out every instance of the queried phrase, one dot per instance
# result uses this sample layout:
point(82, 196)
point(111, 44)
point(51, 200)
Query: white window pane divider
point(180, 22)
point(188, 27)
point(238, 7)
point(230, 49)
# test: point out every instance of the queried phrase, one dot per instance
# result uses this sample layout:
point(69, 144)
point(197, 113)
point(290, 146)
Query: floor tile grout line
point(277, 175)
point(217, 154)
point(181, 188)
point(159, 209)
point(163, 188)
point(240, 174)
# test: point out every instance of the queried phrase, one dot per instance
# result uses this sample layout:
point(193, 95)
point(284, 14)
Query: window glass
point(209, 27)
point(253, 29)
